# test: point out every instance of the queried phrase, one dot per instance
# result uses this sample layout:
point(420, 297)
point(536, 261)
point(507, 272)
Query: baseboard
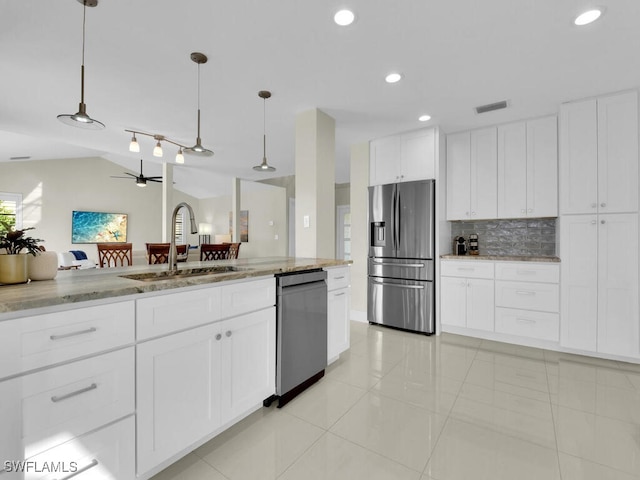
point(359, 316)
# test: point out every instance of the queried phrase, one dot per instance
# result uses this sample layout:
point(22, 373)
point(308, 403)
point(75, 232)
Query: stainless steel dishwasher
point(301, 319)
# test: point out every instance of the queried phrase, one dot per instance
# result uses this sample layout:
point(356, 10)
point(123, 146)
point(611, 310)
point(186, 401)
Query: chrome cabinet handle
point(603, 222)
point(218, 336)
point(603, 204)
point(338, 278)
point(228, 333)
point(593, 222)
point(338, 294)
point(56, 398)
point(525, 272)
point(525, 292)
point(94, 463)
point(530, 210)
point(594, 205)
point(522, 210)
point(526, 321)
point(73, 334)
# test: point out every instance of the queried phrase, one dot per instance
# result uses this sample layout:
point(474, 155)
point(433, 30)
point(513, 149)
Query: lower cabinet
point(192, 383)
point(338, 328)
point(467, 302)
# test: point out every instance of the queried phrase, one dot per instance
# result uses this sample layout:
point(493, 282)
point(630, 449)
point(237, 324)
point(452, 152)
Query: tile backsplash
point(522, 236)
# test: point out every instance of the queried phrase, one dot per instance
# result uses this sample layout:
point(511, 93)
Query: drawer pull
point(56, 399)
point(228, 333)
point(525, 272)
point(73, 334)
point(338, 294)
point(466, 269)
point(525, 321)
point(525, 292)
point(94, 463)
point(338, 278)
point(218, 336)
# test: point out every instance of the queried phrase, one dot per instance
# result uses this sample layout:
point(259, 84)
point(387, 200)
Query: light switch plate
point(305, 220)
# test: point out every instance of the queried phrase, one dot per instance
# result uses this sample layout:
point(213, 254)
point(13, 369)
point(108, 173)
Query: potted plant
point(13, 264)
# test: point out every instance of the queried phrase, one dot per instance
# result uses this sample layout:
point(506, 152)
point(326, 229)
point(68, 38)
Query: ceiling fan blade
point(130, 174)
point(157, 176)
point(151, 179)
point(116, 176)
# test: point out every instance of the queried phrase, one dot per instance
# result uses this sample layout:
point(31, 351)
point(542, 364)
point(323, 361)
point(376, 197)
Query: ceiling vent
point(19, 158)
point(491, 107)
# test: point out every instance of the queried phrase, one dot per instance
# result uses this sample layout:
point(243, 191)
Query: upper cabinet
point(472, 175)
point(599, 155)
point(528, 169)
point(403, 158)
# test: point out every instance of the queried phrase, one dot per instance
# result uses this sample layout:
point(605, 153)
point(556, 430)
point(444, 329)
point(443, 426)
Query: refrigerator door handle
point(408, 287)
point(398, 218)
point(393, 219)
point(410, 265)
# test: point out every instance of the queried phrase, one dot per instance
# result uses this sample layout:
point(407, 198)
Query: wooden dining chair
point(183, 252)
point(114, 255)
point(214, 251)
point(234, 250)
point(157, 253)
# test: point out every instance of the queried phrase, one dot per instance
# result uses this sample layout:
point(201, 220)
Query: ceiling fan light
point(134, 146)
point(141, 182)
point(157, 150)
point(179, 156)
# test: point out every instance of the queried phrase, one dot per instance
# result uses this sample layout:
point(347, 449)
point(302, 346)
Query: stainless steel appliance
point(401, 255)
point(301, 332)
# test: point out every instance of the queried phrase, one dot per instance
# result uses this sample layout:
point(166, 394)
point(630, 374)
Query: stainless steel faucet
point(173, 251)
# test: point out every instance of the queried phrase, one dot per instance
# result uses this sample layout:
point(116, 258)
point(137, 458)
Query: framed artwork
point(244, 225)
point(98, 227)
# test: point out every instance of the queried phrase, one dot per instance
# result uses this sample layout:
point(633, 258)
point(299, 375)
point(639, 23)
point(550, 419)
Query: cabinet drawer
point(528, 272)
point(171, 312)
point(543, 297)
point(41, 340)
point(248, 296)
point(47, 408)
point(467, 269)
point(105, 454)
point(524, 323)
point(338, 278)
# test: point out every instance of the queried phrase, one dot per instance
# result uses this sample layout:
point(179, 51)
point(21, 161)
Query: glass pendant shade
point(157, 151)
point(179, 157)
point(134, 146)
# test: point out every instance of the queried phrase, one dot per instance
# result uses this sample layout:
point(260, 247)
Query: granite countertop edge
point(503, 258)
point(75, 286)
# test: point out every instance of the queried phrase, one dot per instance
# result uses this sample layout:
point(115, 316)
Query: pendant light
point(198, 149)
point(264, 166)
point(81, 119)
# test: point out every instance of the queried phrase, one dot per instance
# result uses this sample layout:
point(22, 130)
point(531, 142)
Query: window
point(180, 237)
point(10, 210)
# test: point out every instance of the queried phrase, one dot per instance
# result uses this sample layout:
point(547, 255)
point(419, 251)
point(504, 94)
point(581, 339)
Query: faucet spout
point(173, 251)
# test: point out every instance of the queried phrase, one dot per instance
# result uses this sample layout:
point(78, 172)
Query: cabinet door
point(453, 301)
point(542, 167)
point(578, 157)
point(418, 155)
point(248, 362)
point(178, 391)
point(484, 174)
point(480, 304)
point(338, 328)
point(618, 153)
point(578, 281)
point(384, 161)
point(458, 176)
point(512, 170)
point(618, 325)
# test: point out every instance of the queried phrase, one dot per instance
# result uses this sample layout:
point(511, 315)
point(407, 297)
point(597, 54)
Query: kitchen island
point(125, 370)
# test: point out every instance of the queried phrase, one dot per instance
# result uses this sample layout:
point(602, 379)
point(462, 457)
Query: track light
point(134, 146)
point(81, 119)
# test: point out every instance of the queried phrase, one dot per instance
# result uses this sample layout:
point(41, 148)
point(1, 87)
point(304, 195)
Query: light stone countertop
point(503, 258)
point(73, 286)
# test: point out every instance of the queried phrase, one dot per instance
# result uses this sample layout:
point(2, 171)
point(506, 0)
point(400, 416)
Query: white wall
point(359, 226)
point(52, 189)
point(265, 204)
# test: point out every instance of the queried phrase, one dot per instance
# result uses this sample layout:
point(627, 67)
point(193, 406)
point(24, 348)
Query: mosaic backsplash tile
point(522, 236)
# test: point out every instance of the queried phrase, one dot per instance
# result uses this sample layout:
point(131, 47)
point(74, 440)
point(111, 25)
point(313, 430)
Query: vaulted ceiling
point(453, 55)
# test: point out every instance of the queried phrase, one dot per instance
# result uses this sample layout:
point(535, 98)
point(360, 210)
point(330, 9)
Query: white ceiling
point(454, 55)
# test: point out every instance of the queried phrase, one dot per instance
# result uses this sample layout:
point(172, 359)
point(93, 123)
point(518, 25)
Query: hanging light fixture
point(81, 118)
point(198, 149)
point(134, 146)
point(264, 166)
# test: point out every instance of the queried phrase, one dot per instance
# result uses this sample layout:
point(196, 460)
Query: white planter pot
point(43, 266)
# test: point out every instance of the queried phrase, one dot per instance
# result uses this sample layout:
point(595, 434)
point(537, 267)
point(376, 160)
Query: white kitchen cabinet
point(338, 311)
point(403, 158)
point(467, 296)
point(528, 169)
point(191, 383)
point(599, 155)
point(472, 175)
point(599, 283)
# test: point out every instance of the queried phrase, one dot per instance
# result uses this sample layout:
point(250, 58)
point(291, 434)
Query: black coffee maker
point(459, 246)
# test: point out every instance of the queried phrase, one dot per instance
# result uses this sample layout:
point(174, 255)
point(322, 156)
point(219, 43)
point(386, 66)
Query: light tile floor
point(406, 406)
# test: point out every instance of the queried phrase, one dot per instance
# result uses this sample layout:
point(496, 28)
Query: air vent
point(19, 158)
point(491, 107)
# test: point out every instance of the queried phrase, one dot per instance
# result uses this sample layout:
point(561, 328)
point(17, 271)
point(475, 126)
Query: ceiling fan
point(141, 180)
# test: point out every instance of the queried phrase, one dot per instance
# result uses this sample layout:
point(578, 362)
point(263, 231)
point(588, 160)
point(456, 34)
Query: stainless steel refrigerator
point(401, 255)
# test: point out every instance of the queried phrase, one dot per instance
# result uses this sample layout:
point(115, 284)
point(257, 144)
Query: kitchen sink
point(183, 273)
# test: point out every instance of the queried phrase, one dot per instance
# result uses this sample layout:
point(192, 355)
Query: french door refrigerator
point(401, 256)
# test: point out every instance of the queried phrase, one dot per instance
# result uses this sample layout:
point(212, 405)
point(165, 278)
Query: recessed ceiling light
point(393, 78)
point(344, 18)
point(588, 17)
point(424, 118)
